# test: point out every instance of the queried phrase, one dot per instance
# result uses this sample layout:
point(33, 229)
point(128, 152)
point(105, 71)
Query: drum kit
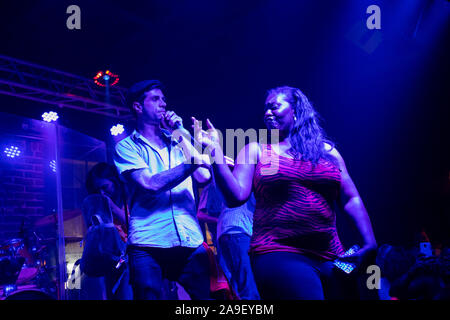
point(23, 270)
point(27, 265)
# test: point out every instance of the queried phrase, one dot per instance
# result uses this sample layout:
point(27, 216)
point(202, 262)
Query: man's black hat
point(138, 89)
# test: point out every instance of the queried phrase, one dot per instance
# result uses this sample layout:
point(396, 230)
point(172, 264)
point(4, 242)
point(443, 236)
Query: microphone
point(178, 125)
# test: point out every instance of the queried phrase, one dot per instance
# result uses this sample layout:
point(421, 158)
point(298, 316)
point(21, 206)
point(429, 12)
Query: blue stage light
point(50, 116)
point(117, 129)
point(12, 152)
point(53, 165)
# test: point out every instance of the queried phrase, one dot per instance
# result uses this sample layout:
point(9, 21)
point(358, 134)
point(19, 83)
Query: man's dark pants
point(150, 265)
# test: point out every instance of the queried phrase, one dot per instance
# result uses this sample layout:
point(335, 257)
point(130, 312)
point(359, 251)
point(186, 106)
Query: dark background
point(383, 94)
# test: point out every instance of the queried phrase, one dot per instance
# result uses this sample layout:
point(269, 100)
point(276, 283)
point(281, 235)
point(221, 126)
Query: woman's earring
point(295, 118)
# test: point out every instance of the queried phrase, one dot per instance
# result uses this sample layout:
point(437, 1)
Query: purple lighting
point(50, 116)
point(12, 152)
point(117, 129)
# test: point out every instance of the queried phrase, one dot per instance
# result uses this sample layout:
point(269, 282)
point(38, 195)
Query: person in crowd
point(209, 208)
point(394, 261)
point(298, 182)
point(233, 231)
point(106, 200)
point(427, 279)
point(207, 214)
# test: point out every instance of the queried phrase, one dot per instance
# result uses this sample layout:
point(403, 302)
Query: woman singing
point(294, 229)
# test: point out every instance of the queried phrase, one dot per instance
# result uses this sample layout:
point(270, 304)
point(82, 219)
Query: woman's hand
point(117, 212)
point(210, 138)
point(362, 257)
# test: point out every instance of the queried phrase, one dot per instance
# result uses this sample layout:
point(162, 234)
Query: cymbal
point(66, 239)
point(41, 249)
point(52, 218)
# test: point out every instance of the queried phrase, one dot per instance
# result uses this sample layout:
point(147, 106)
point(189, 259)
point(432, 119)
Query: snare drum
point(26, 292)
point(16, 248)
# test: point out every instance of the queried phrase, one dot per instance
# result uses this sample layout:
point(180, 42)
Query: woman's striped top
point(295, 206)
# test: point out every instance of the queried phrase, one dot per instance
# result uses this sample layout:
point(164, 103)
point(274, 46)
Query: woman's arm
point(351, 203)
point(119, 217)
point(118, 213)
point(236, 186)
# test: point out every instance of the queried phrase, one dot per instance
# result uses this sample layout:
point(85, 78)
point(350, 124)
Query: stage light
point(117, 129)
point(12, 152)
point(106, 78)
point(50, 116)
point(53, 165)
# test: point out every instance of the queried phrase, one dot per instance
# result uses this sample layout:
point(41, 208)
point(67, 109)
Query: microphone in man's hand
point(177, 125)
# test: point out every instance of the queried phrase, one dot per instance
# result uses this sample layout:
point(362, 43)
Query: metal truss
point(34, 82)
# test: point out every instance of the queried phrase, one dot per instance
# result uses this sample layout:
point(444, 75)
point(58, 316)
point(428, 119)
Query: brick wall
point(24, 187)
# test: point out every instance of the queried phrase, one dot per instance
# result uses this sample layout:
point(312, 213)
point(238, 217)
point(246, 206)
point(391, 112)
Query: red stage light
point(107, 79)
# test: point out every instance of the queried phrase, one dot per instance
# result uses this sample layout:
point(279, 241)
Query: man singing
point(165, 239)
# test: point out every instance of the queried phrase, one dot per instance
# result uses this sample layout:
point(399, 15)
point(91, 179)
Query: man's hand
point(171, 121)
